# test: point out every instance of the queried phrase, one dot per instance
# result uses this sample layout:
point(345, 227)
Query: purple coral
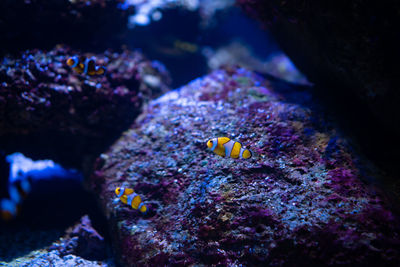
point(302, 198)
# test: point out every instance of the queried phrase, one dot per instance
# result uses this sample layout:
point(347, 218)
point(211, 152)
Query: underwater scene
point(199, 133)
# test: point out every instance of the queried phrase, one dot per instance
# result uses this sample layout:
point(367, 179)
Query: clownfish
point(85, 66)
point(225, 147)
point(129, 197)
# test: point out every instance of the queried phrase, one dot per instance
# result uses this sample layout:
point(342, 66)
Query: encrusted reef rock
point(305, 198)
point(81, 23)
point(81, 245)
point(47, 110)
point(349, 46)
point(82, 240)
point(52, 258)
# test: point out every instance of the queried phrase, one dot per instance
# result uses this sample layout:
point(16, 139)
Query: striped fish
point(225, 147)
point(85, 66)
point(129, 197)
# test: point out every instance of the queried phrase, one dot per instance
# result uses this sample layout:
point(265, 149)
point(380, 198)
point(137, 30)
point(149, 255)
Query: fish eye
point(210, 143)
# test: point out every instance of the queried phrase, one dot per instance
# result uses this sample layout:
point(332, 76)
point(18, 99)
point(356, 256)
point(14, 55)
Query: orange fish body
point(83, 65)
point(225, 147)
point(129, 197)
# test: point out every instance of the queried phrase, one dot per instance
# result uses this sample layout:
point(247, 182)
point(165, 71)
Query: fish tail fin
point(142, 207)
point(247, 154)
point(100, 70)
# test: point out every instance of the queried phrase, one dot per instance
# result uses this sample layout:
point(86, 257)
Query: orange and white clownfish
point(85, 66)
point(129, 197)
point(225, 147)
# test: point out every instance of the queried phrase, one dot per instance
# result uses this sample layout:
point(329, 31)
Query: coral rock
point(305, 197)
point(46, 107)
point(84, 241)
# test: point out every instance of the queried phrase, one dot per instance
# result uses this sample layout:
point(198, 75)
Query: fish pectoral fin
point(124, 199)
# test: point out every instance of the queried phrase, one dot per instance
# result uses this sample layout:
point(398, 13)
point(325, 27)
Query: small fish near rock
point(83, 65)
point(294, 204)
point(129, 197)
point(225, 147)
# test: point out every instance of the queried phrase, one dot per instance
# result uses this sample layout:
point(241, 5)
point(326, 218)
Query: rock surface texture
point(349, 46)
point(46, 107)
point(82, 240)
point(305, 198)
point(81, 245)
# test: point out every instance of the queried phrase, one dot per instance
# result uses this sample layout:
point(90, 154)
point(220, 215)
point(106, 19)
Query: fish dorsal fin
point(128, 191)
point(223, 140)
